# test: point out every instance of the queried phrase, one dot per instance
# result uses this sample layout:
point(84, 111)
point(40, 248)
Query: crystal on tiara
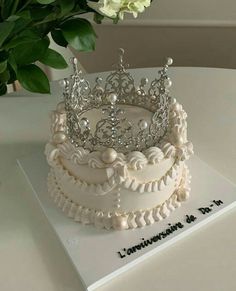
point(113, 101)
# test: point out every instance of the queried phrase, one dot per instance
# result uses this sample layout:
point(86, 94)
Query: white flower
point(117, 8)
point(133, 7)
point(108, 8)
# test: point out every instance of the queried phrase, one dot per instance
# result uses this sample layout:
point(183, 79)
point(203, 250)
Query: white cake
point(116, 190)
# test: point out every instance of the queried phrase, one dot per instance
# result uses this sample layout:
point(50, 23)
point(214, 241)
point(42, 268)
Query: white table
point(31, 257)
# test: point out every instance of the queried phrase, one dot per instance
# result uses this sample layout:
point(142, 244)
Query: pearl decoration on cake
point(142, 124)
point(109, 156)
point(169, 61)
point(73, 60)
point(183, 195)
point(112, 98)
point(117, 199)
point(61, 107)
point(84, 122)
point(119, 222)
point(168, 83)
point(179, 140)
point(59, 137)
point(62, 83)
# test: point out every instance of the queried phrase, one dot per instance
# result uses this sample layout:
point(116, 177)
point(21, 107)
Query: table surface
point(32, 258)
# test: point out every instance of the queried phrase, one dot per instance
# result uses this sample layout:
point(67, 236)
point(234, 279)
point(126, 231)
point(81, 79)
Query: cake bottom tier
point(118, 220)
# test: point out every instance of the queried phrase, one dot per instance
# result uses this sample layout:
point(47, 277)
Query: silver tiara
point(112, 104)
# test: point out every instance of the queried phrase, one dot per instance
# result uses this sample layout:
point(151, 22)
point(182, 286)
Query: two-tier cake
point(117, 152)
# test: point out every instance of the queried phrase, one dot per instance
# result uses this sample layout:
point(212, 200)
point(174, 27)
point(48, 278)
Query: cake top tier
point(114, 103)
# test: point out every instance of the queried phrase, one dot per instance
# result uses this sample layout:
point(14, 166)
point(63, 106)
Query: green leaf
point(20, 25)
point(3, 56)
point(24, 37)
point(3, 89)
point(33, 79)
point(3, 66)
point(53, 59)
point(51, 17)
point(45, 1)
point(79, 34)
point(14, 6)
point(24, 14)
point(13, 18)
point(28, 53)
point(41, 12)
point(4, 76)
point(7, 8)
point(58, 37)
point(66, 6)
point(5, 30)
point(12, 62)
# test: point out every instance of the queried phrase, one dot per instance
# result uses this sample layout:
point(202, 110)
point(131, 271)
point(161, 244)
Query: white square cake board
point(94, 252)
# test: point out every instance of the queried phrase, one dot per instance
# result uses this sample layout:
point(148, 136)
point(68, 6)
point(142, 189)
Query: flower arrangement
point(26, 24)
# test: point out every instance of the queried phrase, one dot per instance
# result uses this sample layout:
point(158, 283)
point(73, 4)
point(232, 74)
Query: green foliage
point(66, 6)
point(5, 29)
point(29, 76)
point(58, 37)
point(27, 53)
point(45, 1)
point(53, 59)
point(79, 34)
point(3, 66)
point(24, 29)
point(3, 89)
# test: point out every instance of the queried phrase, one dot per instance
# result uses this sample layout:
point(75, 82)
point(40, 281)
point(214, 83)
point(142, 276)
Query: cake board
point(99, 255)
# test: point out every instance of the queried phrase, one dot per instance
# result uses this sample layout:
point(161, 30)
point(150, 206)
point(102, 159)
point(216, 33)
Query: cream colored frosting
point(116, 190)
point(121, 220)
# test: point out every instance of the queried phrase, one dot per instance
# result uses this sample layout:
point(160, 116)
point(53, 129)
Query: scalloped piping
point(128, 182)
point(118, 221)
point(135, 160)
